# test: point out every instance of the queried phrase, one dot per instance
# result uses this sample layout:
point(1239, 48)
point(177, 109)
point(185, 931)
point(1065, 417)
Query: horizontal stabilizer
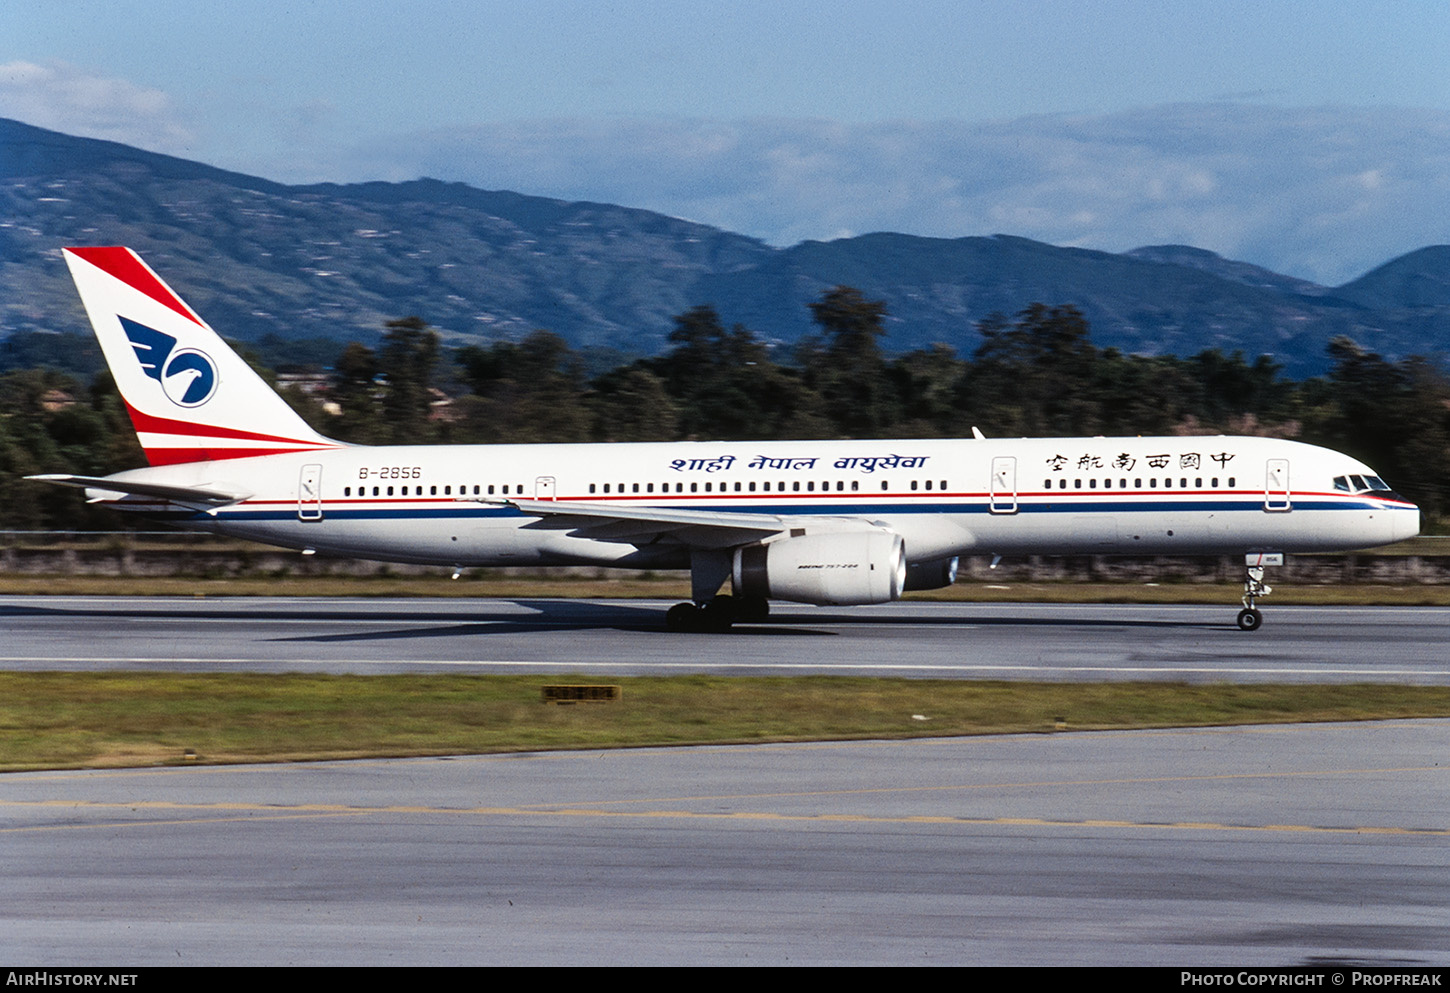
point(112, 488)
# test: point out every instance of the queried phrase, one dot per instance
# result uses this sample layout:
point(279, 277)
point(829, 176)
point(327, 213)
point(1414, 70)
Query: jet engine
point(824, 569)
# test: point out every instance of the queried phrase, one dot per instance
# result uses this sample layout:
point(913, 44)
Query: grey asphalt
point(1306, 844)
point(1289, 845)
point(624, 637)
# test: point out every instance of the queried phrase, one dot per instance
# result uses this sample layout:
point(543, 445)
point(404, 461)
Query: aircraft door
point(1276, 485)
point(1003, 494)
point(544, 488)
point(309, 493)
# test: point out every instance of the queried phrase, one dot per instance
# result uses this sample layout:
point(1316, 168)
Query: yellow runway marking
point(251, 812)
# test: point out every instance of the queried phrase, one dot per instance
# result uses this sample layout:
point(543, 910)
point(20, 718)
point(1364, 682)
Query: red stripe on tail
point(123, 264)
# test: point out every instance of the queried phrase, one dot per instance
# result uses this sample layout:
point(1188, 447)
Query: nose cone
point(1407, 522)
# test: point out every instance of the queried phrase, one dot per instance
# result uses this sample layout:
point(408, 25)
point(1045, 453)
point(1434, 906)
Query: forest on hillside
point(1036, 373)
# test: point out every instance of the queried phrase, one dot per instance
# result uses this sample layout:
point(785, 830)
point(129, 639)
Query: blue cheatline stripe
point(1024, 507)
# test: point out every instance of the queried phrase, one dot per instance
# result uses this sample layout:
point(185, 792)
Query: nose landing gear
point(1250, 619)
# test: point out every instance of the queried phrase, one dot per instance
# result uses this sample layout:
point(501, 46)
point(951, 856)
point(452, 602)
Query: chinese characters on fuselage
point(1125, 462)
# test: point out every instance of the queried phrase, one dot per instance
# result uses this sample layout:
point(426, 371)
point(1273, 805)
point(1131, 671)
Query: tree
point(848, 370)
point(409, 353)
point(724, 381)
point(1035, 376)
point(526, 392)
point(356, 392)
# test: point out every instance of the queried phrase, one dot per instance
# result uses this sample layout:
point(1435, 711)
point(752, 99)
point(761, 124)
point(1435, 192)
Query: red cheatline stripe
point(123, 264)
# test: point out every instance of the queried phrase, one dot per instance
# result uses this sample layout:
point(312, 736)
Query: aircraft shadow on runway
point(478, 618)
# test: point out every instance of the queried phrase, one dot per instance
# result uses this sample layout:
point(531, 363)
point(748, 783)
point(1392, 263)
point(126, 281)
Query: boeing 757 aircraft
point(819, 522)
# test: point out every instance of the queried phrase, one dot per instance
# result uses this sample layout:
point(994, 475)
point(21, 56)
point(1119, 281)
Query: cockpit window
point(1360, 484)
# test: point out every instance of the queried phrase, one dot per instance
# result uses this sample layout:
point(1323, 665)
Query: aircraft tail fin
point(190, 397)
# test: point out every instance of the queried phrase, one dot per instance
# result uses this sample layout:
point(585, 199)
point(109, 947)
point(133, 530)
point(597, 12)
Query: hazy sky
point(1310, 137)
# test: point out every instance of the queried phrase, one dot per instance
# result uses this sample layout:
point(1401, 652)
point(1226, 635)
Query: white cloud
point(63, 97)
point(1322, 193)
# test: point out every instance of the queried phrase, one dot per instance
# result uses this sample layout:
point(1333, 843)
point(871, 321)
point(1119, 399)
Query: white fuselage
point(1118, 496)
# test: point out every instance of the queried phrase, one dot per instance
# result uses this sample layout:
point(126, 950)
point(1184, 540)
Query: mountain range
point(258, 258)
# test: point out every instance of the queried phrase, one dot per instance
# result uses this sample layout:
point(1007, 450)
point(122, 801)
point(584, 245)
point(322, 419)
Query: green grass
point(70, 720)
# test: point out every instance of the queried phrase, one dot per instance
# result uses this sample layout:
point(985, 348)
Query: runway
point(1286, 845)
point(627, 637)
point(1281, 846)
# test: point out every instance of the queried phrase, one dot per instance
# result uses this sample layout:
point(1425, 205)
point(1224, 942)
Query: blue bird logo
point(187, 376)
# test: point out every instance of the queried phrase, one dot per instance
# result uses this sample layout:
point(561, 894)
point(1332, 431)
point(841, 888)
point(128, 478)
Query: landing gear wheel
point(752, 609)
point(681, 617)
point(1249, 620)
point(715, 616)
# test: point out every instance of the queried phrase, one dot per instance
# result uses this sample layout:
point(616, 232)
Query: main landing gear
point(1250, 618)
point(716, 614)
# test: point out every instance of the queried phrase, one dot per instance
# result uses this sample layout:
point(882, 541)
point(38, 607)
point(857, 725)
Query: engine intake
point(824, 569)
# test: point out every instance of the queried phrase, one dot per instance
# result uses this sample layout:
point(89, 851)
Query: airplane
point(816, 522)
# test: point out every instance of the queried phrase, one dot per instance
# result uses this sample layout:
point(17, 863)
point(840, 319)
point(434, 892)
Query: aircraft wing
point(646, 525)
point(104, 488)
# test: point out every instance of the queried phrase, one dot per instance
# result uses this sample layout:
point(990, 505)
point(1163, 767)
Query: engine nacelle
point(824, 569)
point(932, 575)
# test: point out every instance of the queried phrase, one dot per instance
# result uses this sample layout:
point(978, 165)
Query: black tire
point(752, 609)
point(1250, 620)
point(717, 615)
point(682, 617)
